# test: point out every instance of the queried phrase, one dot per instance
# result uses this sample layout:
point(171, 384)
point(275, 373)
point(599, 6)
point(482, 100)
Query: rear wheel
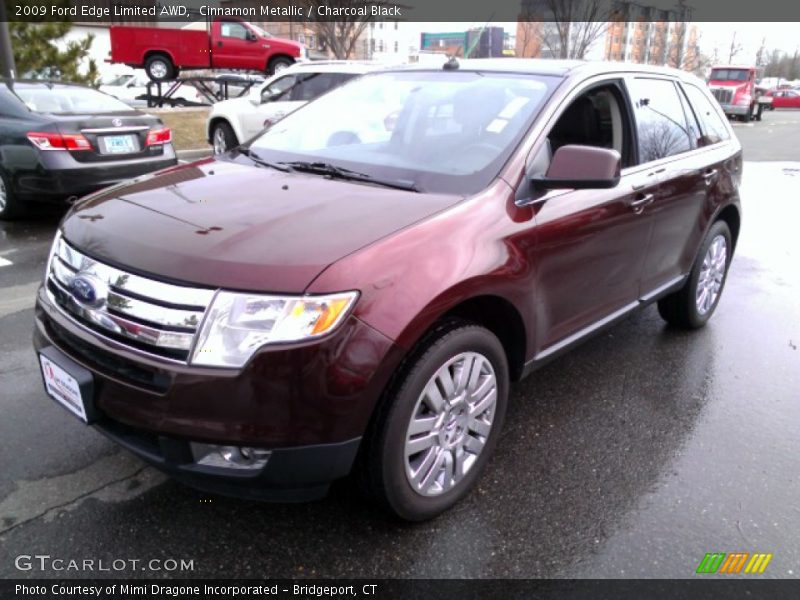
point(10, 208)
point(278, 64)
point(692, 306)
point(439, 424)
point(159, 67)
point(223, 138)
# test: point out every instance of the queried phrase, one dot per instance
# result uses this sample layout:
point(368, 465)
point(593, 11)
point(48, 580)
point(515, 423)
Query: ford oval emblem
point(116, 122)
point(88, 290)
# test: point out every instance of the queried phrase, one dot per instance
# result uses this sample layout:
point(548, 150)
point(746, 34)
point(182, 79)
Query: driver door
point(591, 244)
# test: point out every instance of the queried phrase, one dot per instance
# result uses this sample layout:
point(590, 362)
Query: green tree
point(36, 53)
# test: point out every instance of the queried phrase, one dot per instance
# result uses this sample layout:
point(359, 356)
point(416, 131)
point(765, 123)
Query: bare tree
point(735, 48)
point(761, 55)
point(572, 26)
point(527, 42)
point(342, 35)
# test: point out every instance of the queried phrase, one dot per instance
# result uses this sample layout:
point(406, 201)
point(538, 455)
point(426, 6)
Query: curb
point(193, 154)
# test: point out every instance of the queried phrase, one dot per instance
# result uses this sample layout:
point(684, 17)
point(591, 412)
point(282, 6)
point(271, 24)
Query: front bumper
point(735, 109)
point(308, 404)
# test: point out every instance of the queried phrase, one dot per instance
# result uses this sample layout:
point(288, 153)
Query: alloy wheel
point(712, 275)
point(158, 68)
point(220, 145)
point(450, 424)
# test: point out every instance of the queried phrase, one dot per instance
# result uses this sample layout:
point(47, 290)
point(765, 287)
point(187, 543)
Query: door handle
point(709, 175)
point(641, 201)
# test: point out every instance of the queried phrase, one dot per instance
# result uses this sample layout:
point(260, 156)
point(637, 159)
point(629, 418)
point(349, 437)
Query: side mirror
point(580, 168)
point(250, 36)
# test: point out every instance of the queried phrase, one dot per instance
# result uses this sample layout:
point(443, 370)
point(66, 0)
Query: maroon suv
point(357, 287)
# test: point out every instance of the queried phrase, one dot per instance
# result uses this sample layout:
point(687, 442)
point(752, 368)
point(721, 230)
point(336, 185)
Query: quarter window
point(714, 129)
point(660, 121)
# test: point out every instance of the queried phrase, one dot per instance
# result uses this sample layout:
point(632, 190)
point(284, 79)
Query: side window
point(313, 85)
point(233, 30)
point(660, 120)
point(713, 127)
point(279, 89)
point(597, 117)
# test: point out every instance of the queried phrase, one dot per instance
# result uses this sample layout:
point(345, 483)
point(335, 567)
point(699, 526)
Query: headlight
point(237, 325)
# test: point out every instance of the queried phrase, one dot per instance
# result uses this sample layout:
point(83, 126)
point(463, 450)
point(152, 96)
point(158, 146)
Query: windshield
point(730, 74)
point(445, 131)
point(68, 100)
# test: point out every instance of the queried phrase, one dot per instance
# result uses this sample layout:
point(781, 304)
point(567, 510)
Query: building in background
point(485, 42)
point(633, 32)
point(646, 34)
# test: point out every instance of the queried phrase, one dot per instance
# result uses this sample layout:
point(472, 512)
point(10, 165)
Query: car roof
point(41, 83)
point(558, 68)
point(336, 66)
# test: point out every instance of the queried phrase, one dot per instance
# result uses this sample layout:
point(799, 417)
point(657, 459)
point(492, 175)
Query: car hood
point(223, 224)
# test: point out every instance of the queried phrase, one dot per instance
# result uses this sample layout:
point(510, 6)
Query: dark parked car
point(59, 141)
point(359, 292)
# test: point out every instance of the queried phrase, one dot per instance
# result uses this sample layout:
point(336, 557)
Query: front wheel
point(440, 422)
point(223, 138)
point(692, 306)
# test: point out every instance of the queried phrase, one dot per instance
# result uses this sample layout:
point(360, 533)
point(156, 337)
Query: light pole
point(7, 67)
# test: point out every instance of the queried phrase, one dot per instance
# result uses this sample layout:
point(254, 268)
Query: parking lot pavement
point(634, 455)
point(775, 137)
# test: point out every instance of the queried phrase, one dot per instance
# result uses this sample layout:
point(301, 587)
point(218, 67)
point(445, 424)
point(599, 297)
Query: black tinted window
point(660, 120)
point(713, 128)
point(315, 84)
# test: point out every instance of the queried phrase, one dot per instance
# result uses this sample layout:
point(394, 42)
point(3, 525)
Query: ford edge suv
point(354, 290)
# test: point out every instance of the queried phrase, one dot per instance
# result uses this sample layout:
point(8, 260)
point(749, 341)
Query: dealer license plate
point(63, 388)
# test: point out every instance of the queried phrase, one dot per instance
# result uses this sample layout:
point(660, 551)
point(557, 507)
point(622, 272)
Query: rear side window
point(660, 120)
point(711, 123)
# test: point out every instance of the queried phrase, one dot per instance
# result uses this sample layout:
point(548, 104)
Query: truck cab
point(734, 87)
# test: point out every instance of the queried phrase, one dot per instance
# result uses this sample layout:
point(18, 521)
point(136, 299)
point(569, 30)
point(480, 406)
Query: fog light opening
point(229, 457)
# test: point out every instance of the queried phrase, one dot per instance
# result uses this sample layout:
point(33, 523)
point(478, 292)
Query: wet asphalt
point(633, 456)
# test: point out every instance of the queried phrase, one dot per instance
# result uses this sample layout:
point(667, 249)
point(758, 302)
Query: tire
point(279, 64)
point(749, 116)
point(10, 207)
point(223, 137)
point(159, 67)
point(456, 435)
point(685, 308)
point(759, 112)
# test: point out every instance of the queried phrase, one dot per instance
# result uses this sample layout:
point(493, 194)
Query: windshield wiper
point(260, 161)
point(329, 170)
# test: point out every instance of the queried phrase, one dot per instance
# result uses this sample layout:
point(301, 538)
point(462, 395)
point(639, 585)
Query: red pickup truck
point(223, 44)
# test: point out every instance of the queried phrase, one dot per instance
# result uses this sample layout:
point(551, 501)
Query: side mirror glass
point(581, 167)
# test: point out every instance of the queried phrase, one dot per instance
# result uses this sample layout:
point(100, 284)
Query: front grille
point(722, 95)
point(148, 315)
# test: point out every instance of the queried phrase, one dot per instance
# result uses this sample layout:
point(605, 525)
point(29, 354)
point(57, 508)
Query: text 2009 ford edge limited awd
point(357, 287)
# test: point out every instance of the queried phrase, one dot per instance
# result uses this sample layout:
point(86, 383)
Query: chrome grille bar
point(161, 316)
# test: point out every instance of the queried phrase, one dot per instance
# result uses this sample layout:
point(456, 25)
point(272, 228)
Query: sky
point(783, 36)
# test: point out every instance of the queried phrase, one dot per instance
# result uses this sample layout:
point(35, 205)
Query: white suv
point(233, 121)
